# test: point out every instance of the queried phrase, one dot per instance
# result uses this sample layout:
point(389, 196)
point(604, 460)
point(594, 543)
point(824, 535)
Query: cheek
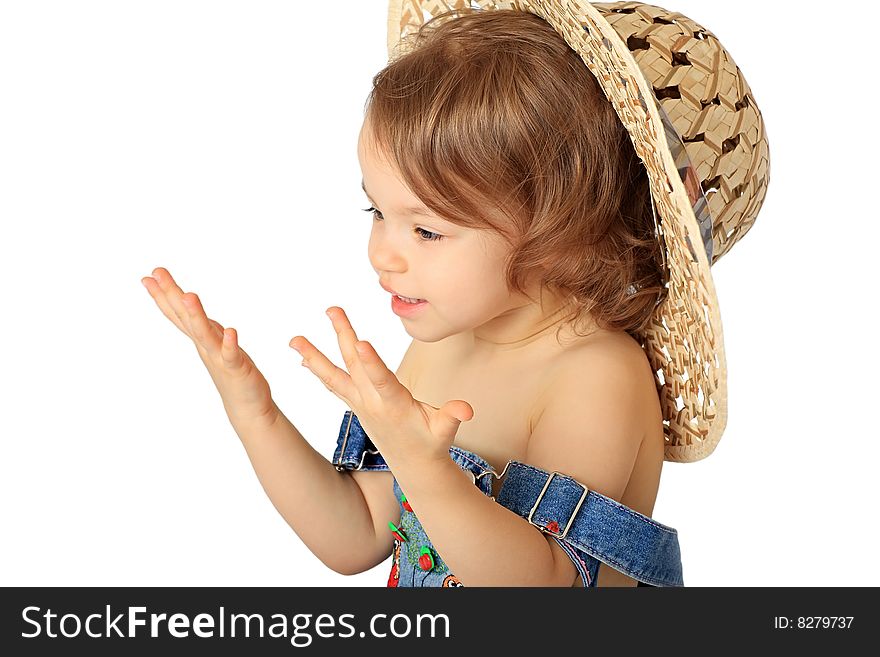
point(474, 300)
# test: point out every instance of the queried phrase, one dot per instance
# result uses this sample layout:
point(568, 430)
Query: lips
point(396, 293)
point(406, 309)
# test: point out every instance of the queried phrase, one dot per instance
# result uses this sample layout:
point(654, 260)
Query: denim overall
point(590, 527)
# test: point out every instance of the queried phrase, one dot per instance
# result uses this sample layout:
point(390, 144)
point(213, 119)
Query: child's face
point(460, 275)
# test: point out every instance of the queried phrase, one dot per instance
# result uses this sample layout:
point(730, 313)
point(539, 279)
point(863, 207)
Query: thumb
point(453, 413)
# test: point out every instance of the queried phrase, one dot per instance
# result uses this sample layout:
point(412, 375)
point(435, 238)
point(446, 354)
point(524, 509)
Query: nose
point(385, 254)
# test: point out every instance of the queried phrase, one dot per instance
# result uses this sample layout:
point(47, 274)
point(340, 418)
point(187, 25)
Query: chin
point(421, 334)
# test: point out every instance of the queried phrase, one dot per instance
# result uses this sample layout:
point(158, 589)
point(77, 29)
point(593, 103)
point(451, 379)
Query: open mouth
point(408, 299)
point(405, 306)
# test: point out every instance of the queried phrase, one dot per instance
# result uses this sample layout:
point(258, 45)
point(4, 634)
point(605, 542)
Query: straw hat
point(695, 125)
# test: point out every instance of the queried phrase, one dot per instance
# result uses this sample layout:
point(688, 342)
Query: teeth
point(407, 299)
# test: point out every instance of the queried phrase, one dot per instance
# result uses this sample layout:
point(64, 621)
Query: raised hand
point(244, 390)
point(403, 428)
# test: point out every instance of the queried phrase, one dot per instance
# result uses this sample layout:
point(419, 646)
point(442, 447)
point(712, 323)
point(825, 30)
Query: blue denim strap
point(603, 529)
point(617, 535)
point(354, 449)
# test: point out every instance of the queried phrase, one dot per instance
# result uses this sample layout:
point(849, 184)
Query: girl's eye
point(432, 237)
point(376, 214)
point(426, 235)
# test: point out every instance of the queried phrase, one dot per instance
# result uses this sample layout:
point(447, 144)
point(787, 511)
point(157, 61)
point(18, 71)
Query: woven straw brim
point(684, 342)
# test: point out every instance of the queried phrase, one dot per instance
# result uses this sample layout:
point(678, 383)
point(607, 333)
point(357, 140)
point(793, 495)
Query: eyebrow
point(414, 210)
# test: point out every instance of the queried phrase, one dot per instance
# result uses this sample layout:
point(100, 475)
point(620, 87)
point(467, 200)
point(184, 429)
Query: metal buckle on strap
point(360, 464)
point(492, 472)
point(573, 513)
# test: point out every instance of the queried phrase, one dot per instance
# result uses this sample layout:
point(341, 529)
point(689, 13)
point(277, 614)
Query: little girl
point(520, 441)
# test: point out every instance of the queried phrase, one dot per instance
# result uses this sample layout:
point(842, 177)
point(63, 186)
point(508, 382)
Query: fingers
point(186, 312)
point(202, 330)
point(336, 380)
point(229, 350)
point(166, 294)
point(384, 380)
point(217, 328)
point(173, 295)
point(367, 369)
point(347, 339)
point(161, 300)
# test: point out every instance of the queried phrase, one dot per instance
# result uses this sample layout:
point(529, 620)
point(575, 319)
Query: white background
point(218, 140)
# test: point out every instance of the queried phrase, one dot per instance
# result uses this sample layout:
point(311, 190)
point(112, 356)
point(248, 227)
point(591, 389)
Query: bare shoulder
point(598, 401)
point(612, 360)
point(614, 352)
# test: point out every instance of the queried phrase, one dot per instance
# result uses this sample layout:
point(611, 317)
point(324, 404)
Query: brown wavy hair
point(495, 123)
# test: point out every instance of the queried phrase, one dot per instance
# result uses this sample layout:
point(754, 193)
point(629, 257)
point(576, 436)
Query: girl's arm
point(325, 508)
point(327, 511)
point(482, 542)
